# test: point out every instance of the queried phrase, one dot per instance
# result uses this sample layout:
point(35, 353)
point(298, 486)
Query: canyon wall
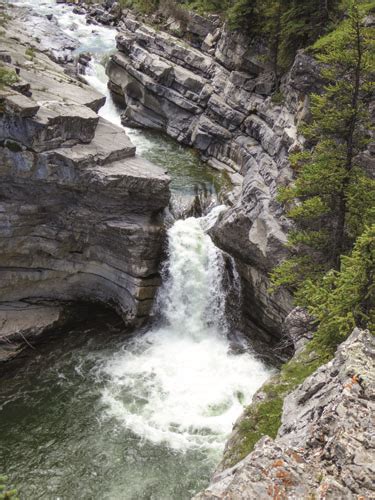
point(218, 99)
point(80, 212)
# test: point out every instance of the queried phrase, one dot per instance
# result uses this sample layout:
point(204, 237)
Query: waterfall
point(192, 298)
point(179, 384)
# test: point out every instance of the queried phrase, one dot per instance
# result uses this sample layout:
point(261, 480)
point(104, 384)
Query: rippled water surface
point(60, 439)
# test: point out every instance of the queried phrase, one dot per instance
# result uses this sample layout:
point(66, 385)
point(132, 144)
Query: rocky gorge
point(218, 98)
point(83, 219)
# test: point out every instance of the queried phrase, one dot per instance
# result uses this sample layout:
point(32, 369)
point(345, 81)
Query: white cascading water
point(179, 384)
point(96, 77)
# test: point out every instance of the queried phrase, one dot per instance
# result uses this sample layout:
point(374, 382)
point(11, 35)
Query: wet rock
point(84, 59)
point(79, 10)
point(5, 56)
point(21, 321)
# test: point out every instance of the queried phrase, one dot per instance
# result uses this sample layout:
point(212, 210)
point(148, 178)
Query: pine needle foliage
point(332, 199)
point(287, 25)
point(344, 299)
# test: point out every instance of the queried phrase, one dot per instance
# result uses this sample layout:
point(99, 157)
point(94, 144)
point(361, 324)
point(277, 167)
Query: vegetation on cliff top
point(7, 76)
point(284, 25)
point(5, 492)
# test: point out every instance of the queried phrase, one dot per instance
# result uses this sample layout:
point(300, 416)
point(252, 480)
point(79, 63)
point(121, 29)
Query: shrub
point(7, 76)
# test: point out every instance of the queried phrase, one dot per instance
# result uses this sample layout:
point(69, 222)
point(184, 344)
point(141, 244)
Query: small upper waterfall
point(179, 384)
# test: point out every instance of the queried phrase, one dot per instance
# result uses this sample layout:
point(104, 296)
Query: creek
point(98, 412)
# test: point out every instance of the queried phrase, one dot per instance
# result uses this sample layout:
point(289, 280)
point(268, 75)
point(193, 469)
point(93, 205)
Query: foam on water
point(179, 384)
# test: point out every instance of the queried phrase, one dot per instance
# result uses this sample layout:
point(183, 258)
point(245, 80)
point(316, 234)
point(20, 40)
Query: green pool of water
point(58, 442)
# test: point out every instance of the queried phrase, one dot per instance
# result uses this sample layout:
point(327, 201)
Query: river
point(97, 412)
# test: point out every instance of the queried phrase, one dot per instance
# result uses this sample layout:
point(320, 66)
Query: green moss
point(297, 370)
point(264, 418)
point(278, 98)
point(30, 53)
point(13, 146)
point(208, 6)
point(7, 76)
point(5, 492)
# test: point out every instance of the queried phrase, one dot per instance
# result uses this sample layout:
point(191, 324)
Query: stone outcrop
point(218, 99)
point(80, 212)
point(325, 446)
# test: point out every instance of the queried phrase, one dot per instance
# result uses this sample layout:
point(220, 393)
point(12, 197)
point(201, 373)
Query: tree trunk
point(342, 204)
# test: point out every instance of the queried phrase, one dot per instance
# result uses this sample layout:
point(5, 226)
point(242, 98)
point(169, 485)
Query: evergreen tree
point(332, 198)
point(302, 23)
point(245, 16)
point(287, 25)
point(345, 299)
point(273, 10)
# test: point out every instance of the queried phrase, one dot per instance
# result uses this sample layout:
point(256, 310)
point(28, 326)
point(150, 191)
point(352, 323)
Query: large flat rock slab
point(54, 124)
point(109, 144)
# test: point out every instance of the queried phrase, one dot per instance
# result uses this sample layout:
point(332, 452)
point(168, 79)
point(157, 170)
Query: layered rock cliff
point(80, 212)
point(218, 99)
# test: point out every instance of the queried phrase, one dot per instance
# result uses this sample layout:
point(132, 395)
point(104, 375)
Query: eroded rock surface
point(80, 213)
point(325, 447)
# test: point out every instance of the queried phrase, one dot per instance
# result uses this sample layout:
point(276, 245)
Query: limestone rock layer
point(80, 212)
